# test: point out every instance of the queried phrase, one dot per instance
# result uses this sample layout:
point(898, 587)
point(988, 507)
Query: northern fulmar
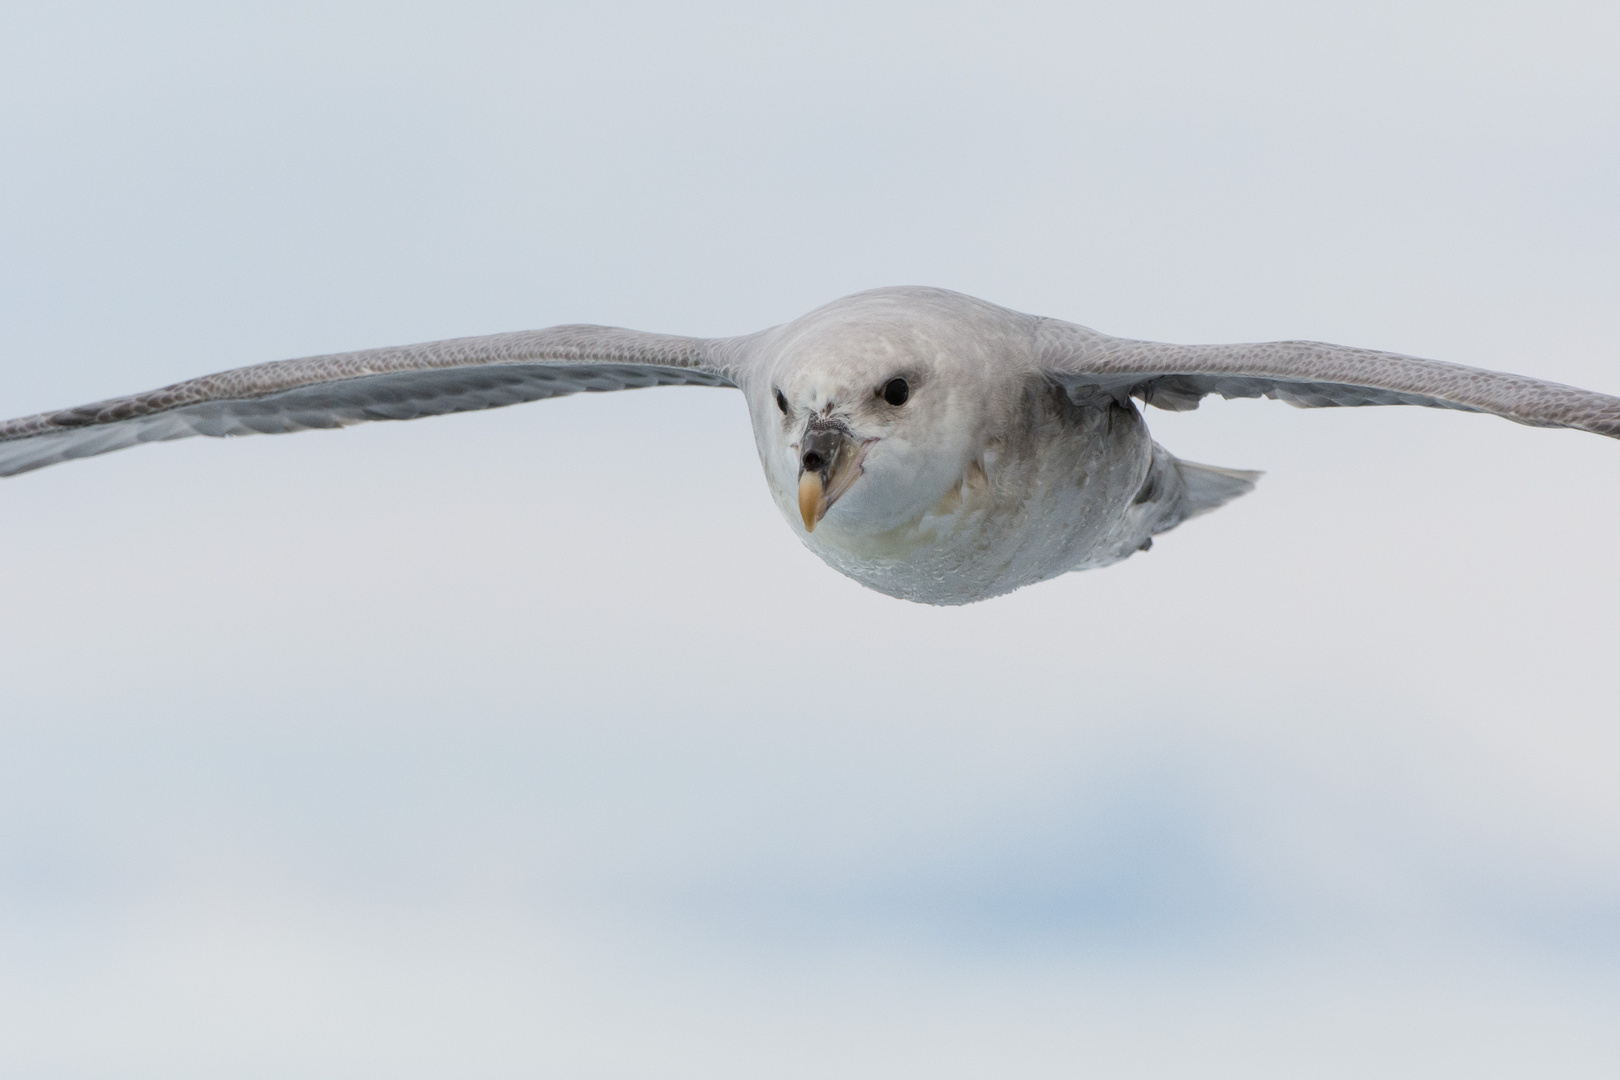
point(932, 446)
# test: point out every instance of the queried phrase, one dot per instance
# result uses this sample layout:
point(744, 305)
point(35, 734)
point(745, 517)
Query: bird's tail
point(1209, 486)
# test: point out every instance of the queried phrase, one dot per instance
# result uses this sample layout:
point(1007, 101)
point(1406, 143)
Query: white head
point(870, 410)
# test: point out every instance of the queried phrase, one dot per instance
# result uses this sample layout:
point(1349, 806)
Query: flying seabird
point(932, 446)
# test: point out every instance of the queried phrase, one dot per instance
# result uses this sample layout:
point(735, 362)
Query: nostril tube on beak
point(820, 447)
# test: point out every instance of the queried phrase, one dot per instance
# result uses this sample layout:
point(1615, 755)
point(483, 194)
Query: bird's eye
point(896, 391)
point(781, 402)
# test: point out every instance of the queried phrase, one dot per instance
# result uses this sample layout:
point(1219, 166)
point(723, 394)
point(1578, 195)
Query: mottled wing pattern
point(400, 383)
point(1308, 374)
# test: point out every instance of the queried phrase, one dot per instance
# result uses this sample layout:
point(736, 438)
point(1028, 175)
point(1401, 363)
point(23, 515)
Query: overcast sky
point(491, 745)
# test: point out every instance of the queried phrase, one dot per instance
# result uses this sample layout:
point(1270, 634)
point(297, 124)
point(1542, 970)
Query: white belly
point(1051, 498)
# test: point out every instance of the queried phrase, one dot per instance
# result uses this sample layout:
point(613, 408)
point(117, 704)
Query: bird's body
point(1051, 489)
point(929, 445)
point(1003, 479)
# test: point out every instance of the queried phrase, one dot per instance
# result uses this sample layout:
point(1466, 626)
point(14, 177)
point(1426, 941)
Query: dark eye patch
point(781, 402)
point(896, 391)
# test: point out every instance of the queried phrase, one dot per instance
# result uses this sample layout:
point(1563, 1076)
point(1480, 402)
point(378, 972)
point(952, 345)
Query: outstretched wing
point(1308, 374)
point(400, 383)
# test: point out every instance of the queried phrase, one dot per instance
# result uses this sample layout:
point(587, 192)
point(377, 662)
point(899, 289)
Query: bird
point(932, 446)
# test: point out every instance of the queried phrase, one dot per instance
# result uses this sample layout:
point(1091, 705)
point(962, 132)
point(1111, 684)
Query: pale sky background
point(492, 746)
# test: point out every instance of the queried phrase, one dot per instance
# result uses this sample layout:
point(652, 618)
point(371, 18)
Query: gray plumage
point(400, 383)
point(1018, 454)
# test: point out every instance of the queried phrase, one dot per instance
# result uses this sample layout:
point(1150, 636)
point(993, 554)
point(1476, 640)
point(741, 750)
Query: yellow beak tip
point(810, 500)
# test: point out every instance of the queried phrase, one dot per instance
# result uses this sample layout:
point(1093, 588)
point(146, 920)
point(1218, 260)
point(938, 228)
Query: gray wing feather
point(401, 383)
point(1308, 374)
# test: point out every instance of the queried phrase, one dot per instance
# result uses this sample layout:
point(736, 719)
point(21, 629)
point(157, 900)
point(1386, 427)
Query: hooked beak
point(829, 463)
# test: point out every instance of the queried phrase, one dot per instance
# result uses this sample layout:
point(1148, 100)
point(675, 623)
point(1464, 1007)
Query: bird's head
point(874, 410)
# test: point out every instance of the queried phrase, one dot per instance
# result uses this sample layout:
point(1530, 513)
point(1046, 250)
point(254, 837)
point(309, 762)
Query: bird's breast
point(1046, 494)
